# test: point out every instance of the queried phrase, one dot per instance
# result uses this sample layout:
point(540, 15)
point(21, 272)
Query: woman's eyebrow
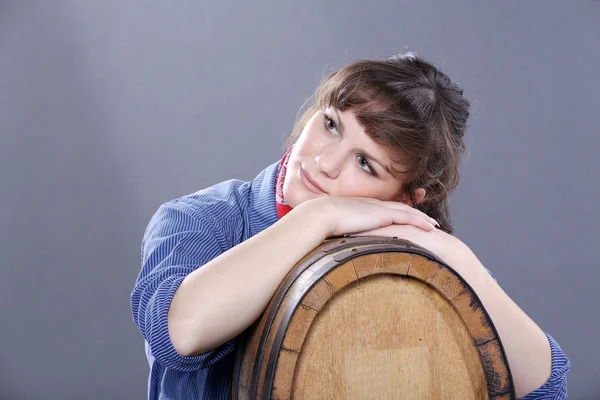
point(340, 123)
point(378, 161)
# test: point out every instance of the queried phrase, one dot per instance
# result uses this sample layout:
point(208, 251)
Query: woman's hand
point(349, 215)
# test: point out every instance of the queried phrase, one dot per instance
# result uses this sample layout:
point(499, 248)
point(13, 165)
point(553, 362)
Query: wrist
point(314, 213)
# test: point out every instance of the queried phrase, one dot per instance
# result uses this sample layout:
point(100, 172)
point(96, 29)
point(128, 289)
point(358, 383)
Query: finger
point(395, 205)
point(406, 218)
point(408, 209)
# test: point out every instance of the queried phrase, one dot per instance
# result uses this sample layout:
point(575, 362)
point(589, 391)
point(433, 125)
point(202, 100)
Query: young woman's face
point(335, 157)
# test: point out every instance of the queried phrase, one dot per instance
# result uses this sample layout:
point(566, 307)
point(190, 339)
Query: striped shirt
point(187, 233)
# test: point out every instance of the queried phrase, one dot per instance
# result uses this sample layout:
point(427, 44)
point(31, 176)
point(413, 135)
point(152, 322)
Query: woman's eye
point(364, 164)
point(330, 125)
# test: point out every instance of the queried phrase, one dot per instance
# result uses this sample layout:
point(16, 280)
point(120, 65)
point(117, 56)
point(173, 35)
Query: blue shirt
point(185, 234)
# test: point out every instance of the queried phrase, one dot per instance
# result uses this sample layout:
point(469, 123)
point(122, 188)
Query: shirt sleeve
point(175, 244)
point(556, 386)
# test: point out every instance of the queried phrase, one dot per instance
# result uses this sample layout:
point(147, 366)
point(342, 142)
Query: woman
point(376, 154)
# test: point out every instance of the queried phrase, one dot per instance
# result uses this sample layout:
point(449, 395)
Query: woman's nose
point(328, 162)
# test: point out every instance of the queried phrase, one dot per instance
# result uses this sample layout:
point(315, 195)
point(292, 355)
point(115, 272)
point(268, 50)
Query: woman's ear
point(419, 196)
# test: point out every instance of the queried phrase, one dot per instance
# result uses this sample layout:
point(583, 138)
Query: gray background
point(109, 108)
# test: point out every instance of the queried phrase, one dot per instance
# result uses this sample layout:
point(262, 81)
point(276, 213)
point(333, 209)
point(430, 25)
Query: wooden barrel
point(372, 318)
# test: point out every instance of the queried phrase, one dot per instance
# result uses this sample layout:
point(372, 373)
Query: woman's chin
point(298, 197)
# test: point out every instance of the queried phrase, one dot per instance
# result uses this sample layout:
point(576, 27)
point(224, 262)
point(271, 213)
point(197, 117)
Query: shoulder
point(222, 201)
point(232, 198)
point(209, 210)
point(230, 207)
point(200, 222)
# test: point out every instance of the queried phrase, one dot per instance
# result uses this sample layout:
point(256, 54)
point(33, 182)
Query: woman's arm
point(218, 301)
point(525, 344)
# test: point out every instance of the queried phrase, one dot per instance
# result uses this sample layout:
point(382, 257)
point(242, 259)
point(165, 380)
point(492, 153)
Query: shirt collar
point(261, 207)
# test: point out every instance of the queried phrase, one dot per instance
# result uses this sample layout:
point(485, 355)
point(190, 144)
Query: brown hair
point(411, 108)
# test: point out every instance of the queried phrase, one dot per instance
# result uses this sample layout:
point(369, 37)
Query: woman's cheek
point(356, 188)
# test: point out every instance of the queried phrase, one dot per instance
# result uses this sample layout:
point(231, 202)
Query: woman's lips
point(309, 183)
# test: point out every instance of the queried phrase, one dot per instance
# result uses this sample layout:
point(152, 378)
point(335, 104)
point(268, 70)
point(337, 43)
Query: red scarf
point(280, 203)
